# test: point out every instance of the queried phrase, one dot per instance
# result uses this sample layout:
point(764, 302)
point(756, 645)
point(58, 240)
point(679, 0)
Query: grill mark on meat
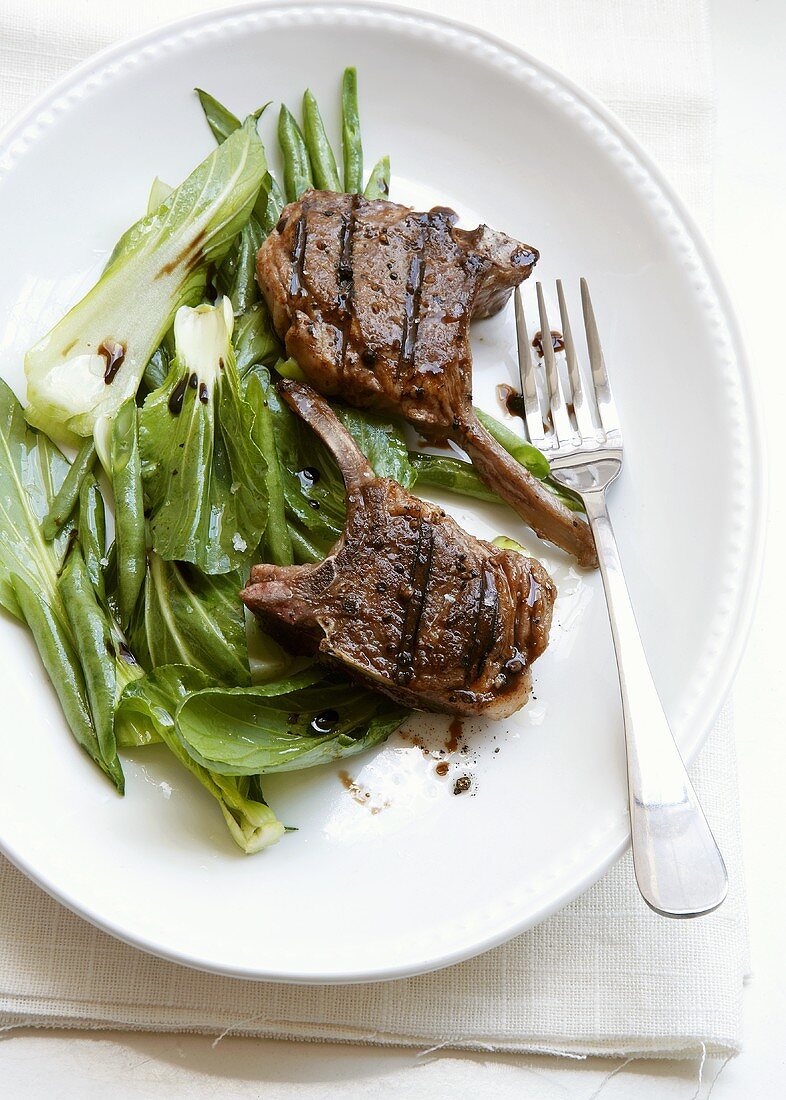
point(412, 296)
point(485, 626)
point(297, 278)
point(346, 279)
point(419, 581)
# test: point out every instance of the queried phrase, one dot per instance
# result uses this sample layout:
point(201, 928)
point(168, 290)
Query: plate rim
point(25, 128)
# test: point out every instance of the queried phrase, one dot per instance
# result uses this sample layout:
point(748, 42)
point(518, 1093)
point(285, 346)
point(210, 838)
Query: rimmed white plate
point(397, 874)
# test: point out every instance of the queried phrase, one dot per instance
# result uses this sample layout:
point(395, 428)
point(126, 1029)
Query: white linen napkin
point(604, 976)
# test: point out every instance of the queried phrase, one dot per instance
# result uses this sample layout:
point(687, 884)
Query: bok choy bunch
point(93, 359)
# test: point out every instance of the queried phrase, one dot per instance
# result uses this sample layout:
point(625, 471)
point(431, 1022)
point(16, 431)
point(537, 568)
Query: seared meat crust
point(374, 301)
point(407, 600)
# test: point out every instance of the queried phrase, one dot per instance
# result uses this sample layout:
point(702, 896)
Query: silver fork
point(679, 869)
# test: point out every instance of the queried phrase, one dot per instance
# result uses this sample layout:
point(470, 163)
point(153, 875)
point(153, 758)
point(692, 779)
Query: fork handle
point(679, 868)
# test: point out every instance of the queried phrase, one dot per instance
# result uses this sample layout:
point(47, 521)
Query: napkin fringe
point(628, 1047)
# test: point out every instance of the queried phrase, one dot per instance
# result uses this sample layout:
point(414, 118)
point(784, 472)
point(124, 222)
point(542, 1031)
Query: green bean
point(245, 289)
point(67, 495)
point(323, 162)
point(454, 476)
point(237, 275)
point(350, 131)
point(93, 643)
point(222, 123)
point(530, 457)
point(129, 509)
point(297, 170)
point(378, 186)
point(220, 120)
point(58, 656)
point(523, 452)
point(92, 533)
point(451, 475)
point(255, 339)
point(567, 496)
point(277, 536)
point(270, 202)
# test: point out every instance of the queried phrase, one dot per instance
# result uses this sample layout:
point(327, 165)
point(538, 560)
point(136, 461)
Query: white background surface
point(750, 241)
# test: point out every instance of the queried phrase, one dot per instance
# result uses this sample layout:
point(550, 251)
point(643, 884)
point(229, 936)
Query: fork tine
point(533, 414)
point(563, 429)
point(581, 408)
point(603, 394)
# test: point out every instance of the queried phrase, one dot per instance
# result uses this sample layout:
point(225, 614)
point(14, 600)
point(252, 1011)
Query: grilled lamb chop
point(406, 600)
point(374, 301)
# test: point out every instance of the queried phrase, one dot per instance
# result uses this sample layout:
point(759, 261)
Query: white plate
point(432, 878)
